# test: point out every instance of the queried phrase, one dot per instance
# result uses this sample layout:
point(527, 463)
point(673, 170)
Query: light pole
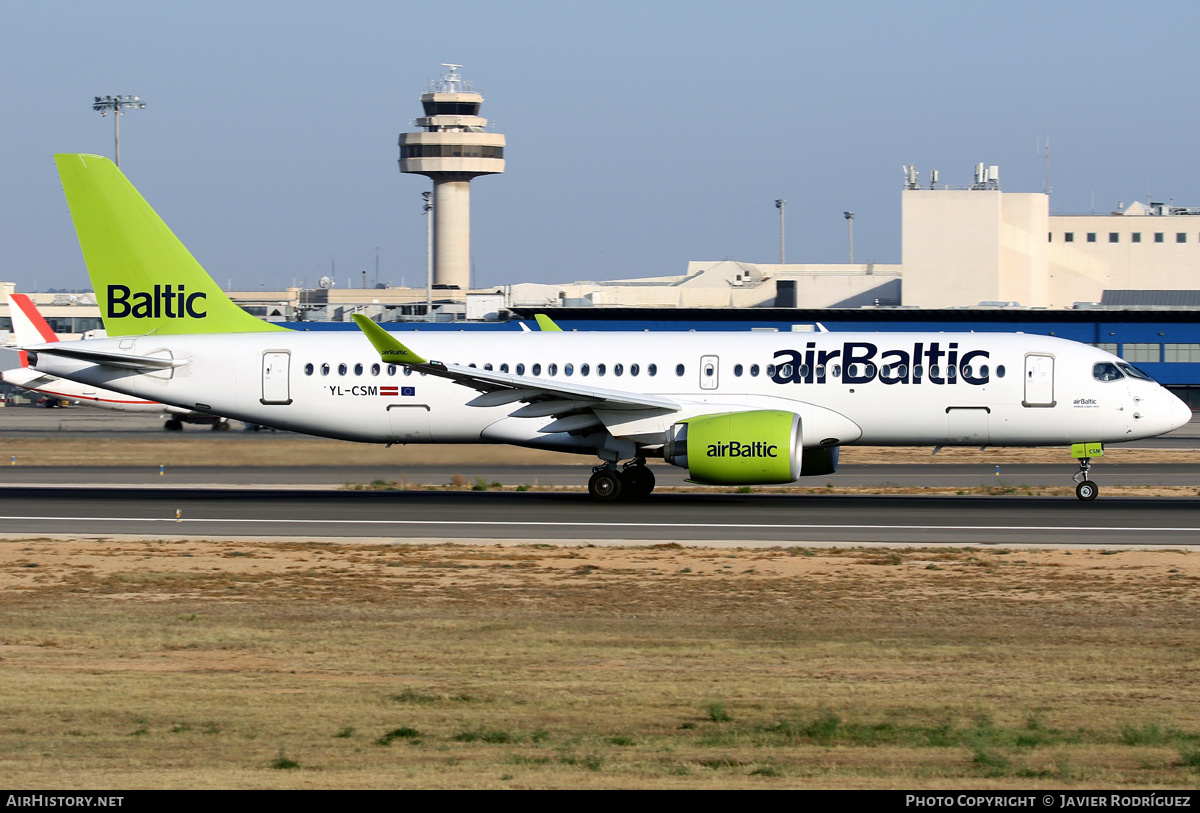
point(779, 204)
point(850, 220)
point(118, 105)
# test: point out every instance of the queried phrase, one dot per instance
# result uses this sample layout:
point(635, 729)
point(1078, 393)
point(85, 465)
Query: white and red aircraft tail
point(28, 324)
point(31, 328)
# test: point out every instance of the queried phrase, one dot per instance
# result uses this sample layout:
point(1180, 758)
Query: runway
point(705, 519)
point(312, 502)
point(575, 475)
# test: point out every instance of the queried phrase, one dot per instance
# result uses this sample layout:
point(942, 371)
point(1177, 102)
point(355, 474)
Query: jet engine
point(757, 447)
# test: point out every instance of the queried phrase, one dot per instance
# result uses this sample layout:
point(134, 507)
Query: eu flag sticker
point(408, 391)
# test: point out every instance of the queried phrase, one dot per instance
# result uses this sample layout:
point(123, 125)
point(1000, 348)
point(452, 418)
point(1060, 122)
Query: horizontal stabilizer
point(124, 361)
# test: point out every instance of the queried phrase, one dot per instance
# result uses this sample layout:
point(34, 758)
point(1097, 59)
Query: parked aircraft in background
point(731, 408)
point(30, 328)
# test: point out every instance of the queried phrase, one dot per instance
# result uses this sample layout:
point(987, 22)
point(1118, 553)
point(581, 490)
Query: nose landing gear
point(1085, 489)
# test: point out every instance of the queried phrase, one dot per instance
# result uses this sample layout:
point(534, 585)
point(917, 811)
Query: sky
point(640, 135)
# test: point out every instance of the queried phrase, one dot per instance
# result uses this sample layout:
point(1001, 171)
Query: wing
point(579, 407)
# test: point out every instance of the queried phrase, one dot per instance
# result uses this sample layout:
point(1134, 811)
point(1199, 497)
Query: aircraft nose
point(1180, 413)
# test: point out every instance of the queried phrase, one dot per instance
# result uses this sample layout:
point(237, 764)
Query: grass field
point(251, 664)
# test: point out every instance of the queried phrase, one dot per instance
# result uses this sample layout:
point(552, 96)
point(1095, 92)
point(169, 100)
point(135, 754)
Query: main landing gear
point(1085, 489)
point(634, 481)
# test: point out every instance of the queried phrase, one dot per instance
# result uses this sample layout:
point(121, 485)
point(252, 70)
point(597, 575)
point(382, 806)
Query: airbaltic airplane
point(30, 328)
point(731, 408)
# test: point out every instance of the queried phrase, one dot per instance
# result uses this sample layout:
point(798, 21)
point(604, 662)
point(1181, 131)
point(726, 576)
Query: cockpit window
point(1106, 371)
point(1134, 372)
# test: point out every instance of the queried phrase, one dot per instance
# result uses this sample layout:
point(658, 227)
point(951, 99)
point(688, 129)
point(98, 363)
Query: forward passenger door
point(1039, 380)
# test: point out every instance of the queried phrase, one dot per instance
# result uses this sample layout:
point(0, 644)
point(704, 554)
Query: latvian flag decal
point(389, 390)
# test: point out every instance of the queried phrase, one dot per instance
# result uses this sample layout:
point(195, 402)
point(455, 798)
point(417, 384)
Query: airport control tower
point(452, 149)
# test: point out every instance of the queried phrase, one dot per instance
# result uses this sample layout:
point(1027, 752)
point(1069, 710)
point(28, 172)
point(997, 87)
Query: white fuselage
point(854, 388)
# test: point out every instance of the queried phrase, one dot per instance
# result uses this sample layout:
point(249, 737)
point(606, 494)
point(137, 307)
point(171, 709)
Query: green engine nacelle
point(761, 447)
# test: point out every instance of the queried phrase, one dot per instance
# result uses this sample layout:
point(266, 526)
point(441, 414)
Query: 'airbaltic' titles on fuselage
point(166, 301)
point(862, 362)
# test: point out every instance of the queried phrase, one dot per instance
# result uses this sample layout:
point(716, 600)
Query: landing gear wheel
point(1085, 489)
point(605, 485)
point(173, 426)
point(638, 482)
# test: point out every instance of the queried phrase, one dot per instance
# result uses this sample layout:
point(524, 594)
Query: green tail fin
point(144, 278)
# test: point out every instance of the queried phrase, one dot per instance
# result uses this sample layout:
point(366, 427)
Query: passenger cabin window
point(308, 369)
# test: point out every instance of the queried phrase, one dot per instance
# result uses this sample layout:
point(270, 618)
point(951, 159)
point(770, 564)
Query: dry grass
point(251, 664)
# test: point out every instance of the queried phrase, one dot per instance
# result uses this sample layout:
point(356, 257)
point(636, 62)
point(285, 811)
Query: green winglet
point(546, 324)
point(145, 279)
point(389, 347)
